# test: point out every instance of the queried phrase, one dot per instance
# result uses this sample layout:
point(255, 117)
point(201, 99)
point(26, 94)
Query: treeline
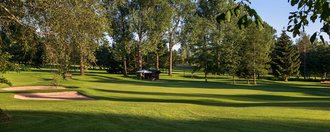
point(122, 36)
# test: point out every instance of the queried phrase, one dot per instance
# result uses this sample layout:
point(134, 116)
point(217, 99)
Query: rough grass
point(172, 104)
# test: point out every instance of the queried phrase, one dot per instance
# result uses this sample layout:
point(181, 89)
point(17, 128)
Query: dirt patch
point(24, 88)
point(52, 96)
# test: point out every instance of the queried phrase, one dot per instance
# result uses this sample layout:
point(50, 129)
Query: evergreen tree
point(285, 58)
point(255, 52)
point(304, 46)
point(202, 47)
point(230, 50)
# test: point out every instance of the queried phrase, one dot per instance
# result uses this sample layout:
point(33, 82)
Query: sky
point(276, 13)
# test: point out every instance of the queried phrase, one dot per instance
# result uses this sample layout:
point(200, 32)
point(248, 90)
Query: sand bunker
point(52, 96)
point(24, 88)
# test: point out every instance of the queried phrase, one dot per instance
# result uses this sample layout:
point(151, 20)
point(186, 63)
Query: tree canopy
point(122, 36)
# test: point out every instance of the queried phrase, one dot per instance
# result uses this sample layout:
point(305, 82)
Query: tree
point(107, 58)
point(5, 65)
point(285, 58)
point(161, 21)
point(181, 9)
point(309, 11)
point(202, 47)
point(255, 51)
point(140, 11)
point(14, 29)
point(318, 59)
point(70, 35)
point(304, 46)
point(121, 32)
point(206, 35)
point(230, 49)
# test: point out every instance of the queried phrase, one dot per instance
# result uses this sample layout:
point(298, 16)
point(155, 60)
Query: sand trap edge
point(71, 95)
point(26, 88)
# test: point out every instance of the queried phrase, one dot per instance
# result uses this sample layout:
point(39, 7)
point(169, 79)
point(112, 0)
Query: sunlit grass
point(172, 104)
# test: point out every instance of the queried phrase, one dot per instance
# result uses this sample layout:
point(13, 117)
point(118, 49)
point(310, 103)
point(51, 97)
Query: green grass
point(172, 104)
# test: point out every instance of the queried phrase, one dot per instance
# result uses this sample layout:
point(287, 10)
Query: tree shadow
point(71, 87)
point(60, 121)
point(264, 85)
point(202, 77)
point(247, 97)
point(210, 99)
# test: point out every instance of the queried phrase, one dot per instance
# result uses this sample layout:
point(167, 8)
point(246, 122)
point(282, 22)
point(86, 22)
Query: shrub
point(57, 79)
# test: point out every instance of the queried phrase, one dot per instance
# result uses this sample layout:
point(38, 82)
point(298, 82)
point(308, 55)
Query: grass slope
point(172, 104)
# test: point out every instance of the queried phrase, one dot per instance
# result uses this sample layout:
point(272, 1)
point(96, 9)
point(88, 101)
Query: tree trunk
point(254, 65)
point(125, 66)
point(205, 76)
point(140, 55)
point(305, 63)
point(171, 61)
point(218, 62)
point(82, 68)
point(254, 78)
point(325, 75)
point(205, 71)
point(157, 60)
point(234, 81)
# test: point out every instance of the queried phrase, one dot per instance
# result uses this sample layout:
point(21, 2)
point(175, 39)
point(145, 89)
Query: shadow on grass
point(268, 86)
point(35, 121)
point(202, 77)
point(255, 98)
point(208, 100)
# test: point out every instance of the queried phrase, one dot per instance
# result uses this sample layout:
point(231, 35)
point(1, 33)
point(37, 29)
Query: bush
point(4, 117)
point(57, 79)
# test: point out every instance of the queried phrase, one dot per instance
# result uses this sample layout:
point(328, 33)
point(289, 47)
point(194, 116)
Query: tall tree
point(181, 9)
point(285, 58)
point(304, 46)
point(255, 51)
point(121, 31)
point(230, 49)
point(140, 11)
point(15, 29)
point(201, 46)
point(70, 33)
point(161, 21)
